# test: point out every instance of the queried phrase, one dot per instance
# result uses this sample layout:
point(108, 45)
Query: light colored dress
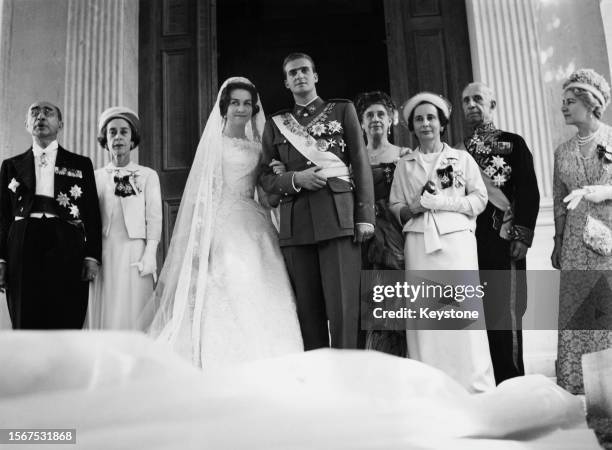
point(584, 299)
point(249, 309)
point(118, 294)
point(444, 240)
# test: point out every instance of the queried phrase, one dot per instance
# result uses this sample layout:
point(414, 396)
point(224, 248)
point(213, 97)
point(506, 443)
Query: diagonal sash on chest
point(298, 136)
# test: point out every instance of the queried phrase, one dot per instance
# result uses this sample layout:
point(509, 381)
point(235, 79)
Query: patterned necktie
point(44, 161)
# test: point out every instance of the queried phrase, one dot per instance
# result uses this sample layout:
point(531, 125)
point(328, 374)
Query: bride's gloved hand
point(148, 263)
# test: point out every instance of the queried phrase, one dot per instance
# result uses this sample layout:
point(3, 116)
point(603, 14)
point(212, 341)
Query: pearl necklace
point(582, 141)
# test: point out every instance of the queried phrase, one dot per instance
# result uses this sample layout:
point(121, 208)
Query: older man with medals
point(50, 232)
point(504, 230)
point(326, 211)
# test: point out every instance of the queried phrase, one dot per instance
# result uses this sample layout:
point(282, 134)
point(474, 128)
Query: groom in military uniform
point(50, 232)
point(504, 230)
point(326, 210)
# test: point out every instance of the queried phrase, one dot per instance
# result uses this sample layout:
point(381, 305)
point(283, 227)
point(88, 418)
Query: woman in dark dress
point(385, 251)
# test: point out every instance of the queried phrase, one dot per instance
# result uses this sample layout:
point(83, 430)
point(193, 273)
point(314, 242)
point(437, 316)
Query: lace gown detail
point(249, 309)
point(582, 293)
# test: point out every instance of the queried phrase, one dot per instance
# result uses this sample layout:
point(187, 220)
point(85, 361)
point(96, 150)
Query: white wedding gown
point(249, 309)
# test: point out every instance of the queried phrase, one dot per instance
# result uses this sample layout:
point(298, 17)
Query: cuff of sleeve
point(92, 259)
point(295, 188)
point(523, 234)
point(368, 224)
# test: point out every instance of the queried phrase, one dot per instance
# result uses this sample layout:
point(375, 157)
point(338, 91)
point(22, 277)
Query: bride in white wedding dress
point(224, 295)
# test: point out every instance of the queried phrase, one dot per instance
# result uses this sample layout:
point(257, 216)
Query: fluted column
point(505, 54)
point(101, 68)
point(6, 12)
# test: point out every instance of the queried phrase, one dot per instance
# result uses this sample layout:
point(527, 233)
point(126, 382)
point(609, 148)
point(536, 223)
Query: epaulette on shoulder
point(282, 111)
point(339, 100)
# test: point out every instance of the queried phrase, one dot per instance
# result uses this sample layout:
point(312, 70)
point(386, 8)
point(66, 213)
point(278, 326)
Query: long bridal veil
point(175, 311)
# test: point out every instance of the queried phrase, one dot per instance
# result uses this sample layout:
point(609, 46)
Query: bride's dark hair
point(224, 99)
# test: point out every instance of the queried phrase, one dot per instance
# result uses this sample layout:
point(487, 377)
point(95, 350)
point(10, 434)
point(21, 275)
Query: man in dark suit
point(326, 210)
point(504, 230)
point(50, 231)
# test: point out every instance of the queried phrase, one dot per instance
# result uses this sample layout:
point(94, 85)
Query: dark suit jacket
point(307, 216)
point(74, 192)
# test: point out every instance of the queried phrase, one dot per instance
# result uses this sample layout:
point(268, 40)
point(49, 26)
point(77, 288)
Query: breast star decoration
point(76, 191)
point(64, 200)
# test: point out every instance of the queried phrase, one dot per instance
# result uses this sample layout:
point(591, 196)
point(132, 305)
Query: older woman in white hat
point(436, 194)
point(582, 192)
point(130, 203)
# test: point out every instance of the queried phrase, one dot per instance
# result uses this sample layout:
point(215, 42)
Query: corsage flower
point(13, 185)
point(445, 174)
point(605, 153)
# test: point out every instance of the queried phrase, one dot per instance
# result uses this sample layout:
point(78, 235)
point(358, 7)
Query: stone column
point(6, 13)
point(505, 50)
point(101, 68)
point(505, 54)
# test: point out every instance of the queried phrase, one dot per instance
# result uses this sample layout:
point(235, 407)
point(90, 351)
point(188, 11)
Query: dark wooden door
point(177, 87)
point(412, 45)
point(429, 50)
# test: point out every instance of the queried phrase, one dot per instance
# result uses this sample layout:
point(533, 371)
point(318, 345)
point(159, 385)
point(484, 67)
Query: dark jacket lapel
point(25, 169)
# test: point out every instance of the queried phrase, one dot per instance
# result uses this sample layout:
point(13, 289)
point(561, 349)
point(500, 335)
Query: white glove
point(443, 203)
point(574, 197)
point(598, 193)
point(148, 263)
point(432, 201)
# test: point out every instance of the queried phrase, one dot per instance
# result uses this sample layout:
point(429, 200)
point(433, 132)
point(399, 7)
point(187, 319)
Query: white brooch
point(318, 129)
point(13, 185)
point(499, 180)
point(76, 191)
point(74, 211)
point(334, 127)
point(498, 162)
point(322, 145)
point(63, 199)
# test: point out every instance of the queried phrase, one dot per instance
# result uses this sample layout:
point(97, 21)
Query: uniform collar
point(484, 128)
point(309, 109)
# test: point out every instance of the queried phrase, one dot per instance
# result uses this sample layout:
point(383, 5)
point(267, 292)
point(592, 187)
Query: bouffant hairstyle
point(596, 81)
point(102, 134)
point(292, 57)
point(366, 99)
point(441, 117)
point(226, 96)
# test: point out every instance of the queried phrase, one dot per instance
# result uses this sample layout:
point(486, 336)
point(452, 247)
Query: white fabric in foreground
point(121, 390)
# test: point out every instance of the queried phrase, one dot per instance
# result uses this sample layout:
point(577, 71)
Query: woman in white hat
point(436, 194)
point(130, 204)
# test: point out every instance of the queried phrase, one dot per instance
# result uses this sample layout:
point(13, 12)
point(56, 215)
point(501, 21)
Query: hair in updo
point(441, 118)
point(226, 96)
point(366, 99)
point(592, 78)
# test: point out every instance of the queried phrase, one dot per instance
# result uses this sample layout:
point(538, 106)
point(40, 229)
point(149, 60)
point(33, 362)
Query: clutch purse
point(597, 236)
